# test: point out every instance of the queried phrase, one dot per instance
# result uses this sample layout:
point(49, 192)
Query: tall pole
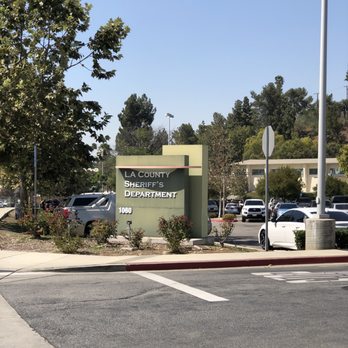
point(169, 117)
point(35, 180)
point(322, 112)
point(267, 188)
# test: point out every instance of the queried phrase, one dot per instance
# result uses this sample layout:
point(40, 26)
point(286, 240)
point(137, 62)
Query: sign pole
point(266, 189)
point(267, 148)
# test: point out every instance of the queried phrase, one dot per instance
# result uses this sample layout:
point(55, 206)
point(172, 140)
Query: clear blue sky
point(196, 57)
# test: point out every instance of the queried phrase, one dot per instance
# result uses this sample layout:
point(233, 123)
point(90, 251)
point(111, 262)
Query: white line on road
point(306, 277)
point(182, 287)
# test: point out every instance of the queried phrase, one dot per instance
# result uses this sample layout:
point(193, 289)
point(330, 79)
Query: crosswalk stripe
point(182, 287)
point(305, 276)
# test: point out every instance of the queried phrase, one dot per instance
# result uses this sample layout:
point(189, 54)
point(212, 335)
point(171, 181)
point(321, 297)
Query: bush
point(136, 238)
point(300, 239)
point(341, 235)
point(229, 217)
point(224, 231)
point(64, 233)
point(102, 230)
point(30, 224)
point(68, 244)
point(341, 238)
point(174, 231)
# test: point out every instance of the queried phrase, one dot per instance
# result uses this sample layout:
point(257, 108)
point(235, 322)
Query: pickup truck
point(89, 207)
point(253, 209)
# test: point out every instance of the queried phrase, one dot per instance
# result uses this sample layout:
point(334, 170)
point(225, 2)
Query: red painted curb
point(233, 263)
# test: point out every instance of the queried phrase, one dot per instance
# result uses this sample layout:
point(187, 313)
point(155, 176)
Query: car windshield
point(288, 206)
point(256, 202)
point(342, 206)
point(336, 215)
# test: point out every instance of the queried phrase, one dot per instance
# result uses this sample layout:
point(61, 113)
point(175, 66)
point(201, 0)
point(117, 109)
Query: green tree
point(284, 183)
point(238, 181)
point(335, 186)
point(278, 109)
point(38, 46)
point(135, 133)
point(343, 159)
point(219, 156)
point(184, 135)
point(241, 114)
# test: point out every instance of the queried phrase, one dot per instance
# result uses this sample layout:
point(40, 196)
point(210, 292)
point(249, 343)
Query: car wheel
point(243, 219)
point(263, 240)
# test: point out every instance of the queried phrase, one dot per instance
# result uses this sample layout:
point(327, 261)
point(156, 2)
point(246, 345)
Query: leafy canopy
point(39, 43)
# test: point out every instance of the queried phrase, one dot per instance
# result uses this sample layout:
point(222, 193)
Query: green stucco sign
point(150, 187)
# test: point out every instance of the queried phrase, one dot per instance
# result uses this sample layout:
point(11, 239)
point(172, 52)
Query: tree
point(278, 109)
point(335, 186)
point(343, 159)
point(238, 181)
point(135, 134)
point(184, 135)
point(38, 46)
point(219, 156)
point(284, 183)
point(241, 114)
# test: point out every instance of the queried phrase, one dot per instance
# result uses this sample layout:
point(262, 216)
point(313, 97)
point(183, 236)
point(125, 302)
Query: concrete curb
point(162, 266)
point(235, 263)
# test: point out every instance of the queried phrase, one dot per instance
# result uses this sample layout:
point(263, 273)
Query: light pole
point(322, 112)
point(169, 117)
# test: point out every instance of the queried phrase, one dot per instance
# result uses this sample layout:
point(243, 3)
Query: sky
point(196, 57)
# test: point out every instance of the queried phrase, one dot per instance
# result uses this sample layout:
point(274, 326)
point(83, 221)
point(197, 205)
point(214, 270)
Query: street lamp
point(169, 117)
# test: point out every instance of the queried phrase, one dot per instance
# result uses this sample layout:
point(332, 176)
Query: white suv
point(253, 209)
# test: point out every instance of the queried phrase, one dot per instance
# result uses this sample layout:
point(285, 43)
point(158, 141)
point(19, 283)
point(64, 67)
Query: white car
point(253, 209)
point(341, 206)
point(281, 231)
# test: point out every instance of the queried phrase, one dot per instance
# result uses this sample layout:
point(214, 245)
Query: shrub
point(68, 244)
point(224, 231)
point(54, 223)
point(341, 235)
point(101, 230)
point(136, 238)
point(43, 218)
point(229, 217)
point(174, 231)
point(64, 233)
point(29, 223)
point(300, 239)
point(341, 238)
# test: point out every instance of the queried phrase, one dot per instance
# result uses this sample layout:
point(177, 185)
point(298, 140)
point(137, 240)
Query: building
point(255, 169)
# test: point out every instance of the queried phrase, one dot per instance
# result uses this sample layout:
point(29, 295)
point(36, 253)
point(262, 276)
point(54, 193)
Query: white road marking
point(182, 287)
point(306, 277)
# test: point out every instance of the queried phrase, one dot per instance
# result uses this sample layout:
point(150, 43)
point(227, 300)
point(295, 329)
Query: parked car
point(281, 208)
point(341, 206)
point(327, 203)
point(89, 207)
point(339, 199)
point(253, 209)
point(281, 230)
point(304, 202)
point(212, 206)
point(231, 208)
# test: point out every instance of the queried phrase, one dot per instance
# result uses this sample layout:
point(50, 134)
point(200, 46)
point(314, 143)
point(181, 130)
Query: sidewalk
point(15, 261)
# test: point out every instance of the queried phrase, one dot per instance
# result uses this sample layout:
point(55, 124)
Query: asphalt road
point(247, 307)
point(245, 233)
